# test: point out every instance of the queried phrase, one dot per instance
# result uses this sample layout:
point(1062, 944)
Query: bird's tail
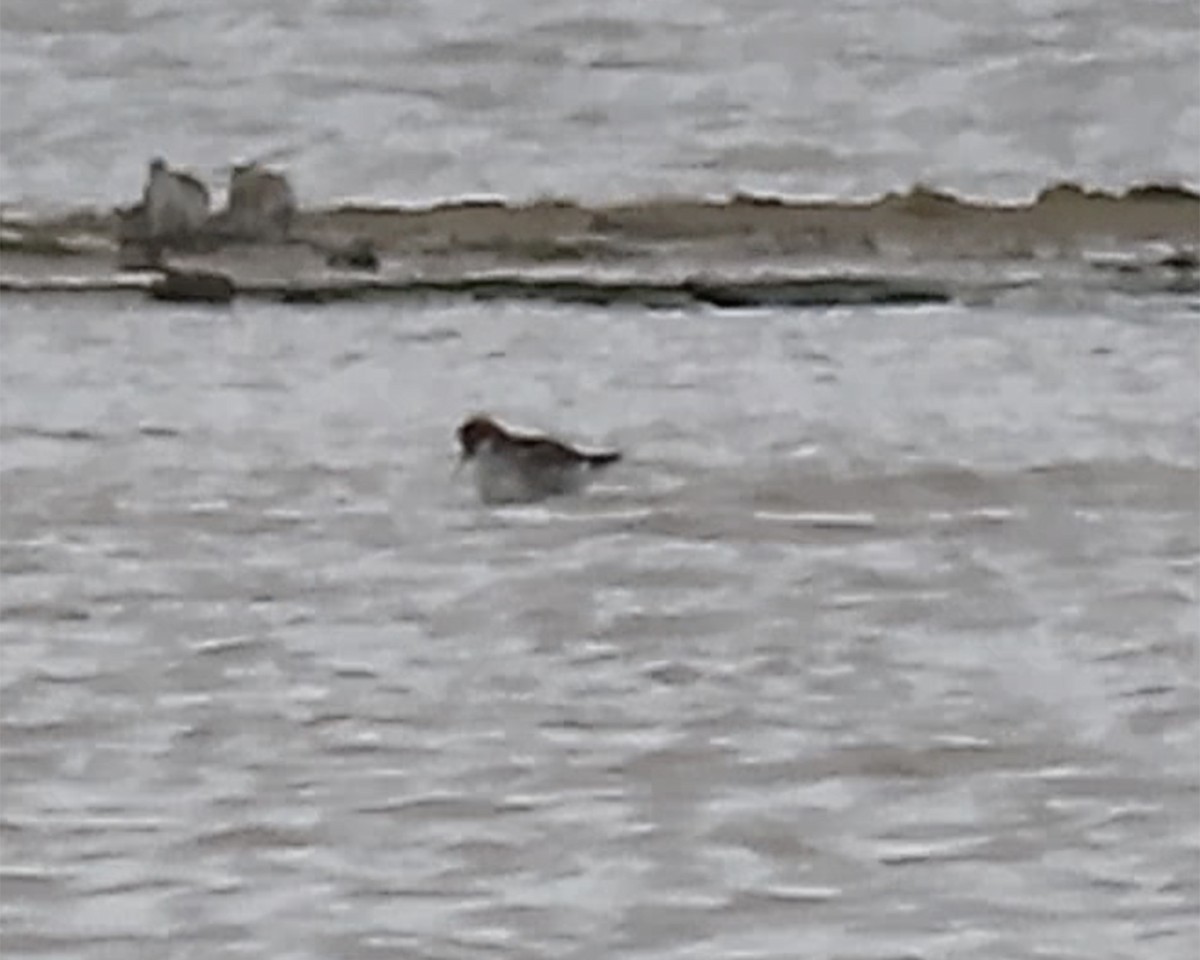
point(603, 459)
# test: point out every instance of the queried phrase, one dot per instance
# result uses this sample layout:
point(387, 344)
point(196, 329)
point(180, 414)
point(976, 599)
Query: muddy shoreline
point(667, 251)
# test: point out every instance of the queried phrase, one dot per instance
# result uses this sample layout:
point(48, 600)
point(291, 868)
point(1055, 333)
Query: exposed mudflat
point(919, 247)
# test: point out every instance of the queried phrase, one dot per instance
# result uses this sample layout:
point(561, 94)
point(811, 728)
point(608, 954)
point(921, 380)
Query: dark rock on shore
point(318, 296)
point(193, 286)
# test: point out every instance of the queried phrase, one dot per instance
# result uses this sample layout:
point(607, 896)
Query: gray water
point(882, 642)
point(423, 100)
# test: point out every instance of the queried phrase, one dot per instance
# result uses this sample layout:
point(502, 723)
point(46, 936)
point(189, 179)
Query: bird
point(524, 468)
point(261, 205)
point(174, 204)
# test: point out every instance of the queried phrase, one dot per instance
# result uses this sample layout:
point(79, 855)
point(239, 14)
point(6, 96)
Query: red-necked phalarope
point(520, 468)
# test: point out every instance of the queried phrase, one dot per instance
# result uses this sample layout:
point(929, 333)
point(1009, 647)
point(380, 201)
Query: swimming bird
point(521, 468)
